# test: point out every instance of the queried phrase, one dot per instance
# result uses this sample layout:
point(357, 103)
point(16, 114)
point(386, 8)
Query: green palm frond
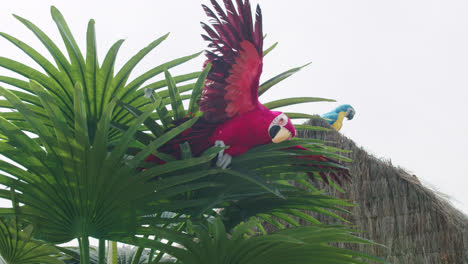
point(265, 181)
point(278, 78)
point(99, 82)
point(72, 187)
point(307, 244)
point(17, 245)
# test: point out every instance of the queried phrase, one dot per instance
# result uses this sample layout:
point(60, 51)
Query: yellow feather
point(339, 122)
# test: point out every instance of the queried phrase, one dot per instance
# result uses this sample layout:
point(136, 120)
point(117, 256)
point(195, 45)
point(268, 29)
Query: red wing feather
point(242, 84)
point(235, 52)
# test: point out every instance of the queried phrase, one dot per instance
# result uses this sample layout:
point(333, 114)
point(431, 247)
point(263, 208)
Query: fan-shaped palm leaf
point(17, 245)
point(99, 82)
point(72, 187)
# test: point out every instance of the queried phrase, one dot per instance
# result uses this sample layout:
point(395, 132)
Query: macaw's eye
point(280, 120)
point(350, 113)
point(273, 131)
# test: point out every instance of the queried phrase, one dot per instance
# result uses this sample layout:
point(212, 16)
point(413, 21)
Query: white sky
point(401, 64)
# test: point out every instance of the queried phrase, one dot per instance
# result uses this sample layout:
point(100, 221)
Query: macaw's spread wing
point(235, 53)
point(242, 83)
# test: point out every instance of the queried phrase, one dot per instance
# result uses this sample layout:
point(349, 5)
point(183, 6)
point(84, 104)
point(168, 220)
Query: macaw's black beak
point(279, 134)
point(350, 114)
point(274, 131)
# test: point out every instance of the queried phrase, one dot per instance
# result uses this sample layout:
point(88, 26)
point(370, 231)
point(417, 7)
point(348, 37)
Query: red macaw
point(233, 115)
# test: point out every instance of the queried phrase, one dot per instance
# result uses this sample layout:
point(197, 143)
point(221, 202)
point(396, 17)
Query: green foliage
point(123, 255)
point(74, 188)
point(278, 78)
point(18, 246)
point(99, 82)
point(79, 135)
point(292, 101)
point(306, 244)
point(265, 52)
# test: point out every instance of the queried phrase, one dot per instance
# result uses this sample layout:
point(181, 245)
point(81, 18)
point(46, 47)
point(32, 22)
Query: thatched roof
point(394, 209)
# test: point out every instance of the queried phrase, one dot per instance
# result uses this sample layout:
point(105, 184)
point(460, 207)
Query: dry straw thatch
point(393, 208)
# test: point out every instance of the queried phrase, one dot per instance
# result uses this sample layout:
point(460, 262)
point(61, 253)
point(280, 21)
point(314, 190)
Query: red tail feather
point(335, 173)
point(197, 136)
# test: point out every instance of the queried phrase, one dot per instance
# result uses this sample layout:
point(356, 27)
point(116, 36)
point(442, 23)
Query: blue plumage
point(335, 117)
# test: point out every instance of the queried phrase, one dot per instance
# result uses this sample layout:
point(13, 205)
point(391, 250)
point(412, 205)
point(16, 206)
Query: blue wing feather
point(330, 117)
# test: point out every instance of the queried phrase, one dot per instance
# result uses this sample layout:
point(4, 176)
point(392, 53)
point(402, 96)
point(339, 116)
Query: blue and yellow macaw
point(335, 117)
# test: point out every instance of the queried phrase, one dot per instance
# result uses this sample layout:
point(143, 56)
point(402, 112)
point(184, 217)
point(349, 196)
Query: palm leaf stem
point(102, 251)
point(83, 242)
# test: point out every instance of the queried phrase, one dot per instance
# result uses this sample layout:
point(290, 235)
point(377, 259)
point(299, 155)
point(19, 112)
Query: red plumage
point(233, 114)
point(236, 53)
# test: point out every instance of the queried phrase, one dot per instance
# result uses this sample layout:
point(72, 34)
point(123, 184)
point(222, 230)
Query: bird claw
point(223, 159)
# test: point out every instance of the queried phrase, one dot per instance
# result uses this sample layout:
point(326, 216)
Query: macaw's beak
point(350, 114)
point(279, 134)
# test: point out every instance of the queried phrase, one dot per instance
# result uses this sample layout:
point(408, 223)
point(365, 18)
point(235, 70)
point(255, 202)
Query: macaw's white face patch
point(280, 120)
point(276, 129)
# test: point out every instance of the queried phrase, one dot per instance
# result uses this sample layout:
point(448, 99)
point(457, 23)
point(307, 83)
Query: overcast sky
point(401, 64)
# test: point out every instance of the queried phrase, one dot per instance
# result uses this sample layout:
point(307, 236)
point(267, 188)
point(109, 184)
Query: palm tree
point(69, 181)
point(78, 136)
